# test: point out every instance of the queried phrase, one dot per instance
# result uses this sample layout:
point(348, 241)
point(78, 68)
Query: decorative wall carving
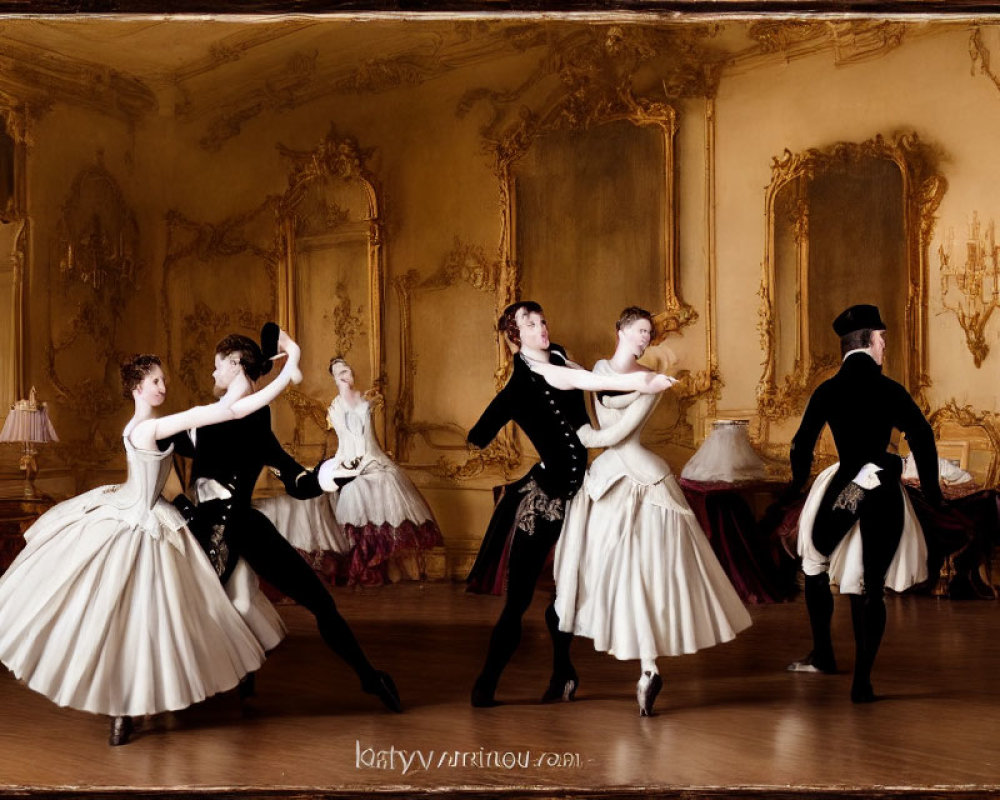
point(923, 187)
point(971, 290)
point(99, 234)
point(968, 417)
point(191, 333)
point(96, 279)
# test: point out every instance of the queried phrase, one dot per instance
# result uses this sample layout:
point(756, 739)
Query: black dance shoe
point(383, 687)
point(247, 686)
point(562, 687)
point(121, 730)
point(483, 692)
point(646, 691)
point(863, 694)
point(812, 663)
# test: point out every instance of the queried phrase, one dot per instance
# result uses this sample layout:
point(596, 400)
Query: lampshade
point(28, 421)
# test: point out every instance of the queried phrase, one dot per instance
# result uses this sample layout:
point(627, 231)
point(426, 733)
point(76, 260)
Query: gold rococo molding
point(968, 417)
point(922, 190)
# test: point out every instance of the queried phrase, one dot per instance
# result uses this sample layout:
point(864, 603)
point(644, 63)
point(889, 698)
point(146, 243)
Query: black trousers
point(528, 553)
point(252, 536)
point(880, 513)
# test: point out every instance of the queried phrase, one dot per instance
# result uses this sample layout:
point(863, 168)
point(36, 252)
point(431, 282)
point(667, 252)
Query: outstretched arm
point(619, 430)
point(201, 416)
point(568, 378)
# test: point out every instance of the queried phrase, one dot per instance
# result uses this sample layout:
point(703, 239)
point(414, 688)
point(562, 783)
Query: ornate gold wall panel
point(780, 397)
point(15, 122)
point(216, 256)
point(464, 264)
point(301, 214)
point(91, 287)
point(573, 113)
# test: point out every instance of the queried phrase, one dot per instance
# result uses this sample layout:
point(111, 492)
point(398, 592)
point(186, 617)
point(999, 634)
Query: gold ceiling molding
point(968, 417)
point(40, 78)
point(342, 158)
point(464, 264)
point(235, 47)
point(922, 189)
point(309, 77)
point(852, 41)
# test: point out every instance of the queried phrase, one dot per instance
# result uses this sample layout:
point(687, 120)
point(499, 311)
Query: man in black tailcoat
point(227, 460)
point(862, 407)
point(530, 514)
point(533, 506)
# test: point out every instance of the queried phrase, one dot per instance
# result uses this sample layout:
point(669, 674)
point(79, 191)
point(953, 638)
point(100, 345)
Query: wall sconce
point(28, 423)
point(972, 290)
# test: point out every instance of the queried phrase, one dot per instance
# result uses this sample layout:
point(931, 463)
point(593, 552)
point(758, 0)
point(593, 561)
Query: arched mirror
point(849, 224)
point(330, 278)
point(13, 256)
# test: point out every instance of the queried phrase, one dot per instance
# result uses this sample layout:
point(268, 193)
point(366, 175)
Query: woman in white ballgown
point(113, 607)
point(381, 512)
point(633, 569)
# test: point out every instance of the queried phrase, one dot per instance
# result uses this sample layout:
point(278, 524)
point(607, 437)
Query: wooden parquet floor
point(731, 722)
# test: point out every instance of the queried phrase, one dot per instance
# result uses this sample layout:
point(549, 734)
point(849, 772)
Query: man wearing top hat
point(862, 407)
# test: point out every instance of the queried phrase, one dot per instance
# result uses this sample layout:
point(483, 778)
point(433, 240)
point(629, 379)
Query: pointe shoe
point(121, 731)
point(482, 694)
point(646, 690)
point(383, 687)
point(562, 687)
point(814, 665)
point(247, 686)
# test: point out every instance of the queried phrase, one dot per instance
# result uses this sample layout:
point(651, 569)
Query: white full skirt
point(845, 564)
point(635, 573)
point(117, 616)
point(307, 524)
point(381, 494)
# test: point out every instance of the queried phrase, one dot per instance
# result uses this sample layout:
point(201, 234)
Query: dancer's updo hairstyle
point(251, 358)
point(133, 371)
point(630, 315)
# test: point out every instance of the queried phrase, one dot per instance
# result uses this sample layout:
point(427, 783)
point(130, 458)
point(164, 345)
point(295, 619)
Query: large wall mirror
point(589, 221)
point(13, 256)
point(330, 279)
point(849, 224)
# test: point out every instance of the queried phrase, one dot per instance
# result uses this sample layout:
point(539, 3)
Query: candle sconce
point(971, 290)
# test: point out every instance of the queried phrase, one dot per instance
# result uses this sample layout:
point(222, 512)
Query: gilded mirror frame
point(337, 157)
point(569, 116)
point(15, 122)
point(922, 190)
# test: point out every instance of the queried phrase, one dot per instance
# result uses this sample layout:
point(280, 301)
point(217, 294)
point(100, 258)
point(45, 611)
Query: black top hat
point(857, 318)
point(269, 344)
